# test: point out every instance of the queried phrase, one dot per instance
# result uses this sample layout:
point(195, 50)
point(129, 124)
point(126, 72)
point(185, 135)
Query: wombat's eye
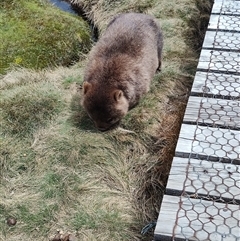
point(109, 120)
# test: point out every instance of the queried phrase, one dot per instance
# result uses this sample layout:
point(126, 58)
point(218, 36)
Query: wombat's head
point(106, 107)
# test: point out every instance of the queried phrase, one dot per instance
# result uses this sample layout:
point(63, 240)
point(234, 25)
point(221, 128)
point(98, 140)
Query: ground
point(58, 173)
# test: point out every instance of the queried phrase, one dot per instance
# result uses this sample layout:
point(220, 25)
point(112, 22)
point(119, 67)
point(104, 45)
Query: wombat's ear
point(86, 87)
point(117, 95)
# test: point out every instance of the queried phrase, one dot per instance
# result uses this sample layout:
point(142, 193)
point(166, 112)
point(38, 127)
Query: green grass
point(25, 108)
point(36, 35)
point(36, 220)
point(98, 219)
point(58, 172)
point(52, 186)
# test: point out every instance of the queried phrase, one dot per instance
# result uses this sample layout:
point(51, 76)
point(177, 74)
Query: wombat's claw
point(125, 130)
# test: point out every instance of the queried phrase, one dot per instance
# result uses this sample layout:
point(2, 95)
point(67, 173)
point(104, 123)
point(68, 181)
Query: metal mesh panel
point(215, 142)
point(220, 112)
point(202, 200)
point(210, 200)
point(209, 204)
point(227, 7)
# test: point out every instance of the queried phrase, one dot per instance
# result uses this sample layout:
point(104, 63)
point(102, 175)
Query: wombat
point(120, 68)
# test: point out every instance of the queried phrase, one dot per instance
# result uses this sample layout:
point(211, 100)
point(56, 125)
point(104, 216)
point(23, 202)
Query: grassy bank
point(58, 174)
point(36, 35)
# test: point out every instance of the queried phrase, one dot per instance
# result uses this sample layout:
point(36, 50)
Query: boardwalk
point(202, 200)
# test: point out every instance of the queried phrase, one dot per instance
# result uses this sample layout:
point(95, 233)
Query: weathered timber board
point(219, 61)
point(212, 84)
point(213, 111)
point(214, 143)
point(224, 22)
point(204, 179)
point(222, 40)
point(197, 220)
point(226, 7)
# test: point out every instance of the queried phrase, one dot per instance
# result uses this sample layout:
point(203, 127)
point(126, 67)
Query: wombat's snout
point(104, 128)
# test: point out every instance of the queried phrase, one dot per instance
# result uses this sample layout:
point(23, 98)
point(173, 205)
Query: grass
point(25, 108)
point(59, 173)
point(36, 35)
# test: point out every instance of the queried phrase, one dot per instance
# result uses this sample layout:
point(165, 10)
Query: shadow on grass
point(197, 24)
point(79, 117)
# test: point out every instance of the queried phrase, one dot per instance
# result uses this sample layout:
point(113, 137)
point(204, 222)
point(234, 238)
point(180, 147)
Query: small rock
point(11, 221)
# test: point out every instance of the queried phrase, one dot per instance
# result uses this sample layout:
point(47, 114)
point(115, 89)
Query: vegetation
point(58, 174)
point(36, 35)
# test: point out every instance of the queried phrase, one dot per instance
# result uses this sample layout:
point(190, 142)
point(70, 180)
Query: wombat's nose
point(102, 129)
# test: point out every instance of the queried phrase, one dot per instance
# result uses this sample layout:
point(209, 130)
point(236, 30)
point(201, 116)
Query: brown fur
point(121, 67)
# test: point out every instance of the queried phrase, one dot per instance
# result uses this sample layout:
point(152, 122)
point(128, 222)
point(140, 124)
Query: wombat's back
point(129, 34)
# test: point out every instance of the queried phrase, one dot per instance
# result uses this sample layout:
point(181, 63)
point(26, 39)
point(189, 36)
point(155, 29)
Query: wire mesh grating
point(209, 207)
point(206, 168)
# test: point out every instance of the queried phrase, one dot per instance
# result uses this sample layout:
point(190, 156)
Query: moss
point(36, 35)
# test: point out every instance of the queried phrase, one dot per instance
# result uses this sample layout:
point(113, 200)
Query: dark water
point(63, 5)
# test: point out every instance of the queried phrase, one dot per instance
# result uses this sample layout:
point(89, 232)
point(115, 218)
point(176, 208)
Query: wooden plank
point(224, 22)
point(219, 61)
point(183, 218)
point(214, 143)
point(226, 7)
point(204, 178)
point(222, 40)
point(212, 84)
point(213, 111)
point(198, 223)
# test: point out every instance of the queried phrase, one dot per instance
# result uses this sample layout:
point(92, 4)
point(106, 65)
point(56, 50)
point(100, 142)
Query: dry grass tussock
point(100, 11)
point(59, 173)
